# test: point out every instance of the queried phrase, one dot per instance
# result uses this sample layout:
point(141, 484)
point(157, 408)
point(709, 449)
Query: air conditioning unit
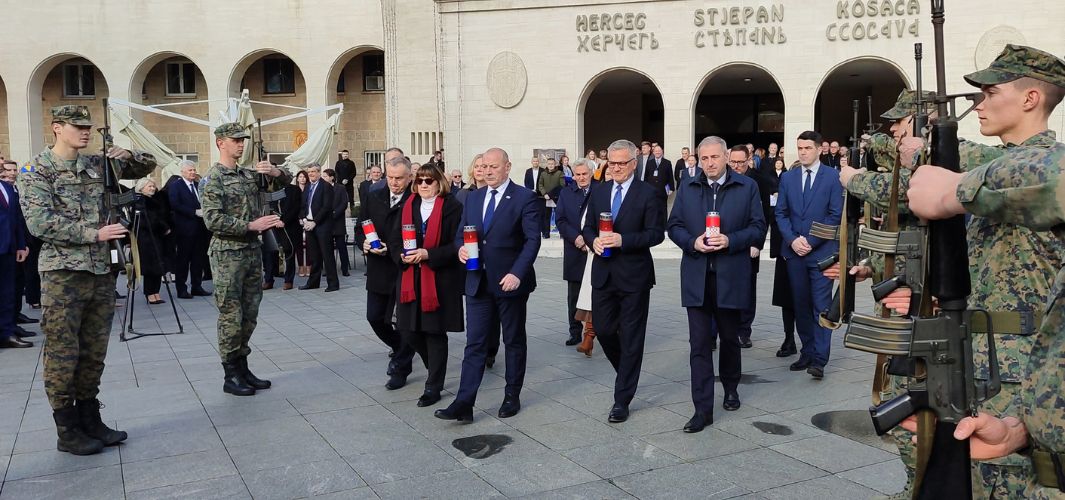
point(375, 83)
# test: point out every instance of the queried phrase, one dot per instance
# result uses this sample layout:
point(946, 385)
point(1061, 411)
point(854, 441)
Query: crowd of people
point(456, 254)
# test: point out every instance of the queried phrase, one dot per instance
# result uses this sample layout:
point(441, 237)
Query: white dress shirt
point(499, 196)
point(624, 189)
point(813, 173)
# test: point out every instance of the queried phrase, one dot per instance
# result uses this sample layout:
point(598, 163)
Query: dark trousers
point(620, 320)
point(812, 293)
point(545, 218)
point(379, 309)
point(341, 245)
point(270, 265)
point(747, 315)
point(702, 359)
point(289, 247)
point(7, 295)
point(320, 248)
point(482, 310)
point(152, 282)
point(787, 316)
point(432, 347)
point(575, 327)
point(190, 261)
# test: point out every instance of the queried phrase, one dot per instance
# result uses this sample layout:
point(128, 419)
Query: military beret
point(233, 130)
point(1017, 61)
point(906, 104)
point(74, 115)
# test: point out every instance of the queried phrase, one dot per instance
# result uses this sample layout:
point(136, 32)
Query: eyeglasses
point(737, 162)
point(620, 163)
point(428, 181)
point(456, 176)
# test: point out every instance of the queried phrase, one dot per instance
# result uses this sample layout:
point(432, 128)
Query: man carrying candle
point(622, 282)
point(717, 217)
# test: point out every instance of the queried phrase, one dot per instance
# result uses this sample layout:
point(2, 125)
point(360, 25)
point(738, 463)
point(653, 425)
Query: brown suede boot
point(589, 340)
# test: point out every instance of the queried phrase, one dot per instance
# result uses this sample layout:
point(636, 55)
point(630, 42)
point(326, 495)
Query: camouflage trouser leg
point(1005, 477)
point(78, 307)
point(238, 277)
point(903, 438)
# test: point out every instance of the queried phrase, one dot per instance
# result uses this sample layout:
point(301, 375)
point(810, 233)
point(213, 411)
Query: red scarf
point(430, 302)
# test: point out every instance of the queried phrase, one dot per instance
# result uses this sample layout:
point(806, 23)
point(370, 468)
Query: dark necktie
point(310, 196)
point(491, 210)
point(806, 185)
point(3, 197)
point(395, 199)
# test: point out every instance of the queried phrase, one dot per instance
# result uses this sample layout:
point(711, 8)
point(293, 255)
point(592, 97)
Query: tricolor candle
point(371, 234)
point(469, 242)
point(606, 225)
point(410, 238)
point(713, 225)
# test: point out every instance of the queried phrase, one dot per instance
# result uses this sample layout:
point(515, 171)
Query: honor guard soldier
point(63, 201)
point(233, 212)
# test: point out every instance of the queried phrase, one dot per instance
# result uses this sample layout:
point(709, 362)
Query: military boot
point(93, 425)
point(71, 438)
point(235, 383)
point(250, 377)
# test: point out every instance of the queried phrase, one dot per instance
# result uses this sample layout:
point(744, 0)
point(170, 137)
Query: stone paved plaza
point(329, 428)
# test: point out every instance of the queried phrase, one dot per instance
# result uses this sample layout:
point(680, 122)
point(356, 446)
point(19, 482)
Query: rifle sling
point(1007, 322)
point(1049, 471)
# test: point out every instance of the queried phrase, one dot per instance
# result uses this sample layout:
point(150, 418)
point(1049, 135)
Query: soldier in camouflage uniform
point(1019, 187)
point(233, 212)
point(63, 201)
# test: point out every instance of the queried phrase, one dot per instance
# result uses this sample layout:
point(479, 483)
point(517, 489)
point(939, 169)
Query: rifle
point(266, 200)
point(937, 343)
point(842, 306)
point(114, 198)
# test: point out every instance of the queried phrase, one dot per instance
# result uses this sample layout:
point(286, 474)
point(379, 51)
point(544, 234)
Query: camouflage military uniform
point(230, 201)
point(63, 201)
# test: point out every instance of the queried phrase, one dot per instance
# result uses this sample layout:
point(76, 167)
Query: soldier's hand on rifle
point(989, 437)
point(111, 232)
point(118, 153)
point(848, 173)
point(860, 273)
point(933, 193)
point(265, 222)
point(898, 300)
point(908, 148)
point(265, 167)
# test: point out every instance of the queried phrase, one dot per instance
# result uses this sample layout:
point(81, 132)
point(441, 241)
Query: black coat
point(766, 187)
point(340, 204)
point(380, 269)
point(443, 260)
point(345, 170)
point(151, 231)
point(571, 203)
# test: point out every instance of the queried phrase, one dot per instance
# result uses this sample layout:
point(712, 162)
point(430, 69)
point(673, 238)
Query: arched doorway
point(273, 77)
point(357, 79)
point(741, 103)
point(856, 79)
point(172, 79)
point(62, 80)
point(620, 104)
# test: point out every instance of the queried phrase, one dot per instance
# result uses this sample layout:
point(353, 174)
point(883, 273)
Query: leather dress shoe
point(510, 407)
point(816, 372)
point(23, 333)
point(396, 381)
point(184, 295)
point(619, 413)
point(331, 289)
point(800, 365)
point(787, 350)
point(308, 287)
point(573, 340)
point(119, 295)
point(455, 411)
point(490, 361)
point(429, 398)
point(732, 401)
point(746, 343)
point(286, 286)
point(713, 344)
point(345, 273)
point(14, 342)
point(22, 319)
point(698, 422)
point(201, 293)
point(268, 285)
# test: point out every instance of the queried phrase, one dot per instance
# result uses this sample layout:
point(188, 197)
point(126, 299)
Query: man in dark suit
point(340, 228)
point(807, 194)
point(190, 233)
point(622, 282)
point(642, 159)
point(27, 278)
point(13, 249)
point(680, 166)
point(373, 176)
point(659, 173)
point(740, 162)
point(688, 169)
point(317, 215)
point(532, 176)
point(383, 207)
point(506, 217)
point(345, 169)
point(715, 271)
point(571, 202)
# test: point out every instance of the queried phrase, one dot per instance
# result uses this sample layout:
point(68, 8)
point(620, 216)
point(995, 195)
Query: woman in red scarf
point(431, 278)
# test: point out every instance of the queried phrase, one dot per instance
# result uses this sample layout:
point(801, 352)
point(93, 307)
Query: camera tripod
point(129, 332)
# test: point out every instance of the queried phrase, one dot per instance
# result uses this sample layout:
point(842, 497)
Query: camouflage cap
point(1018, 61)
point(74, 115)
point(233, 130)
point(906, 104)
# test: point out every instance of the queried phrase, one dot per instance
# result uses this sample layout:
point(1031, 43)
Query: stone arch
point(740, 102)
point(279, 138)
point(362, 125)
point(856, 78)
point(40, 99)
point(621, 81)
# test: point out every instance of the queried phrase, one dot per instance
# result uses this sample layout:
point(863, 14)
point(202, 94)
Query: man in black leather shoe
point(716, 268)
point(13, 250)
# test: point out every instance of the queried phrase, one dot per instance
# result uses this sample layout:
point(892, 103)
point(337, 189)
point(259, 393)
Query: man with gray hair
point(316, 215)
point(623, 271)
point(190, 232)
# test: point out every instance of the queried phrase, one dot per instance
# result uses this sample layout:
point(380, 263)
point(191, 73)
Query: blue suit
point(508, 245)
point(716, 287)
point(190, 233)
point(812, 292)
point(621, 283)
point(12, 239)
